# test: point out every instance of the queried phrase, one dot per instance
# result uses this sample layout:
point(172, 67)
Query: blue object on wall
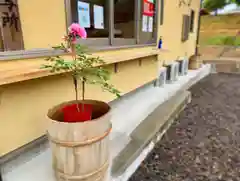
point(160, 43)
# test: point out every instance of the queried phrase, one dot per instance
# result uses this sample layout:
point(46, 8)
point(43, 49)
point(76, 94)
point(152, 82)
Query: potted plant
point(79, 129)
point(195, 62)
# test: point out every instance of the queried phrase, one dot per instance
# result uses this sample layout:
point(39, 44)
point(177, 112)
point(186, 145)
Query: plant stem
point(75, 74)
point(83, 92)
point(75, 82)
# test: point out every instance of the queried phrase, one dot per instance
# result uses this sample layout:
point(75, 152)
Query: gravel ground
point(215, 51)
point(204, 143)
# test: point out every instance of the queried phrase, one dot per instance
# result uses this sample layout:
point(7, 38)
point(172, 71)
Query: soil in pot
point(78, 111)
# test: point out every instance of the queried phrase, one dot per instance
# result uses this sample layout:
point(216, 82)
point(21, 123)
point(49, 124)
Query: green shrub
point(224, 40)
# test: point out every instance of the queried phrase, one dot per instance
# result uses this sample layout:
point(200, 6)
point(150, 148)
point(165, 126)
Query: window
point(192, 21)
point(10, 29)
point(148, 22)
point(185, 28)
point(124, 22)
point(93, 15)
point(161, 12)
point(114, 22)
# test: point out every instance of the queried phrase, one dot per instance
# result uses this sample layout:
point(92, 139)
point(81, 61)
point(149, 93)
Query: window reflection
point(124, 24)
point(93, 15)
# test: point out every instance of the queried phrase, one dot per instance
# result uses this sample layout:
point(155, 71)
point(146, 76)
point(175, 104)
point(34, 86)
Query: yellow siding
point(171, 30)
point(43, 22)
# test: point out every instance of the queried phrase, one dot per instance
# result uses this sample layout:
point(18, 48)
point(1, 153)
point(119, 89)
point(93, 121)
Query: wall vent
point(172, 72)
point(175, 71)
point(183, 66)
point(162, 76)
point(169, 72)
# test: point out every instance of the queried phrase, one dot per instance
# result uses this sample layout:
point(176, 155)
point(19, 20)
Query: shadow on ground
point(204, 143)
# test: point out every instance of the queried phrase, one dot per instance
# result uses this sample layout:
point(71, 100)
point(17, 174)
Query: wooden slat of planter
point(80, 150)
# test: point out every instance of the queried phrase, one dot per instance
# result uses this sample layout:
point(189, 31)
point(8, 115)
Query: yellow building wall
point(43, 22)
point(171, 30)
point(24, 105)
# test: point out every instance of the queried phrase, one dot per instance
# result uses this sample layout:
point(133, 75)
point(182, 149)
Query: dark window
point(192, 21)
point(10, 30)
point(185, 27)
point(124, 22)
point(161, 12)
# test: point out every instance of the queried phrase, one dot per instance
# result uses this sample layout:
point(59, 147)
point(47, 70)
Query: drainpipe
point(198, 30)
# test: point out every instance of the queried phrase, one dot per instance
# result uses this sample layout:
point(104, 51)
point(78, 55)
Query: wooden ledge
point(26, 69)
point(27, 54)
point(21, 74)
point(125, 55)
point(43, 52)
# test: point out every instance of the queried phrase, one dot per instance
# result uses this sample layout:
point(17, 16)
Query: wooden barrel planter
point(80, 150)
point(194, 62)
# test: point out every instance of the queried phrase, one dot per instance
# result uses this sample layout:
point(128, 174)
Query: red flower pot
point(72, 114)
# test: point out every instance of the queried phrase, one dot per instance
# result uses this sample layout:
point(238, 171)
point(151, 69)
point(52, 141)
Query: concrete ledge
point(225, 65)
point(154, 125)
point(218, 46)
point(220, 59)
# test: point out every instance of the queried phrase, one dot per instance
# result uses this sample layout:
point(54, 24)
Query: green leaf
point(48, 58)
point(57, 47)
point(45, 66)
point(84, 67)
point(213, 5)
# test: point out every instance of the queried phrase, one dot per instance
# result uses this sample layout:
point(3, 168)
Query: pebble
point(204, 143)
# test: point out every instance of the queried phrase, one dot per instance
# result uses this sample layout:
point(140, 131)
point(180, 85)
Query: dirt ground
point(204, 143)
point(222, 51)
point(221, 25)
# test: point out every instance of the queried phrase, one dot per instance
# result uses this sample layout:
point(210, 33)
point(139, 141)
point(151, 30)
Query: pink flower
point(76, 30)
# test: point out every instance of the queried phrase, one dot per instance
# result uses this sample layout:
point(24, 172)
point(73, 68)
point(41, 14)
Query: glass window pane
point(93, 15)
point(148, 26)
point(161, 12)
point(124, 19)
point(192, 21)
point(185, 28)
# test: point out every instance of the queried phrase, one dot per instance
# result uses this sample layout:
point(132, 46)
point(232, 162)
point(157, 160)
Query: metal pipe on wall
point(198, 30)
